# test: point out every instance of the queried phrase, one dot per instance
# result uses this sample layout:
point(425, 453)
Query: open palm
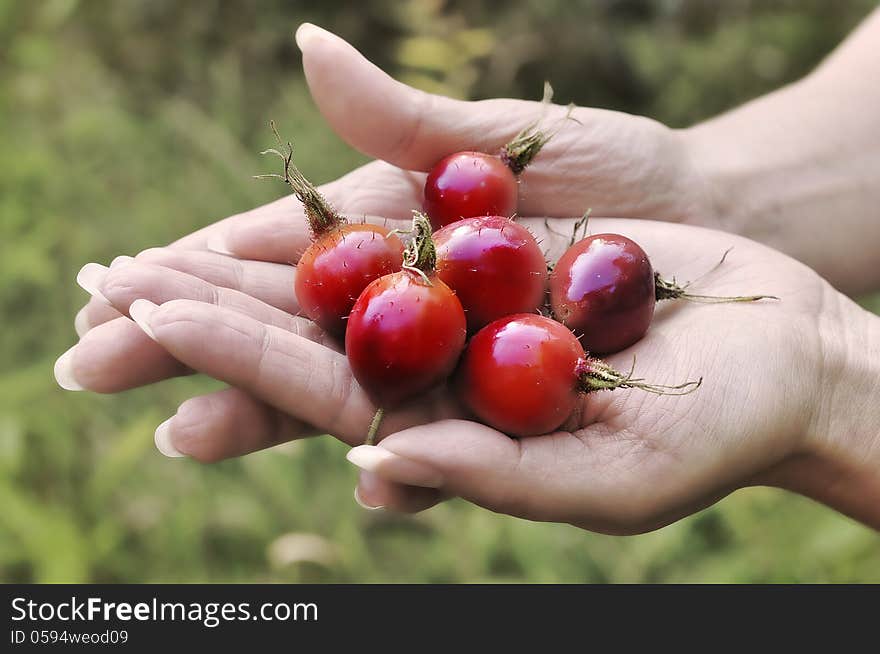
point(627, 460)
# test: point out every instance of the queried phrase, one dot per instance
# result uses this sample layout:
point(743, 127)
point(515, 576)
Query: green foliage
point(125, 125)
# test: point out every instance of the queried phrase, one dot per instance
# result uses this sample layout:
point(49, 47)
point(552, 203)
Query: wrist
point(840, 461)
point(775, 169)
point(751, 173)
point(719, 156)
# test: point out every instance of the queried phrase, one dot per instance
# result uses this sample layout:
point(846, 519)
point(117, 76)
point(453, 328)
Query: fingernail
point(307, 32)
point(394, 467)
point(141, 311)
point(121, 260)
point(217, 243)
point(90, 278)
point(64, 372)
point(163, 440)
point(81, 323)
point(364, 505)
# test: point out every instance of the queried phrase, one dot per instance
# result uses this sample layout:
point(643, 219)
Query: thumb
point(386, 119)
point(611, 162)
point(531, 478)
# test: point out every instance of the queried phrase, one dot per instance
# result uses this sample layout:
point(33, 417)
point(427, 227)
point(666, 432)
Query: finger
point(271, 283)
point(115, 356)
point(226, 424)
point(291, 373)
point(95, 312)
point(123, 285)
point(600, 159)
point(373, 492)
point(459, 457)
point(268, 282)
point(375, 189)
point(98, 362)
point(556, 477)
point(210, 237)
point(394, 122)
point(377, 192)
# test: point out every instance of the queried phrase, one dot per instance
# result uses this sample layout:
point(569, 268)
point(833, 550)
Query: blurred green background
point(127, 124)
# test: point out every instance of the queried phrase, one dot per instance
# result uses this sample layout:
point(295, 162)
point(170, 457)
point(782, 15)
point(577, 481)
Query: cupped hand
point(626, 461)
point(629, 461)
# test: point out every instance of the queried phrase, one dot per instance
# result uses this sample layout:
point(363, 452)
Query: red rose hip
point(405, 335)
point(524, 375)
point(603, 289)
point(518, 374)
point(471, 184)
point(338, 266)
point(494, 265)
point(468, 184)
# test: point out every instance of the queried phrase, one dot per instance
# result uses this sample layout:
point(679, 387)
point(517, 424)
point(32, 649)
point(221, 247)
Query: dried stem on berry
point(596, 375)
point(580, 225)
point(420, 255)
point(670, 290)
point(374, 426)
point(526, 145)
point(321, 215)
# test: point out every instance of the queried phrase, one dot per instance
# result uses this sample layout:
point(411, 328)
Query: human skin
point(621, 166)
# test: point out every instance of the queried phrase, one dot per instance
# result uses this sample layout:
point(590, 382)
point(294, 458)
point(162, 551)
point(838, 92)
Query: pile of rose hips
point(470, 300)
